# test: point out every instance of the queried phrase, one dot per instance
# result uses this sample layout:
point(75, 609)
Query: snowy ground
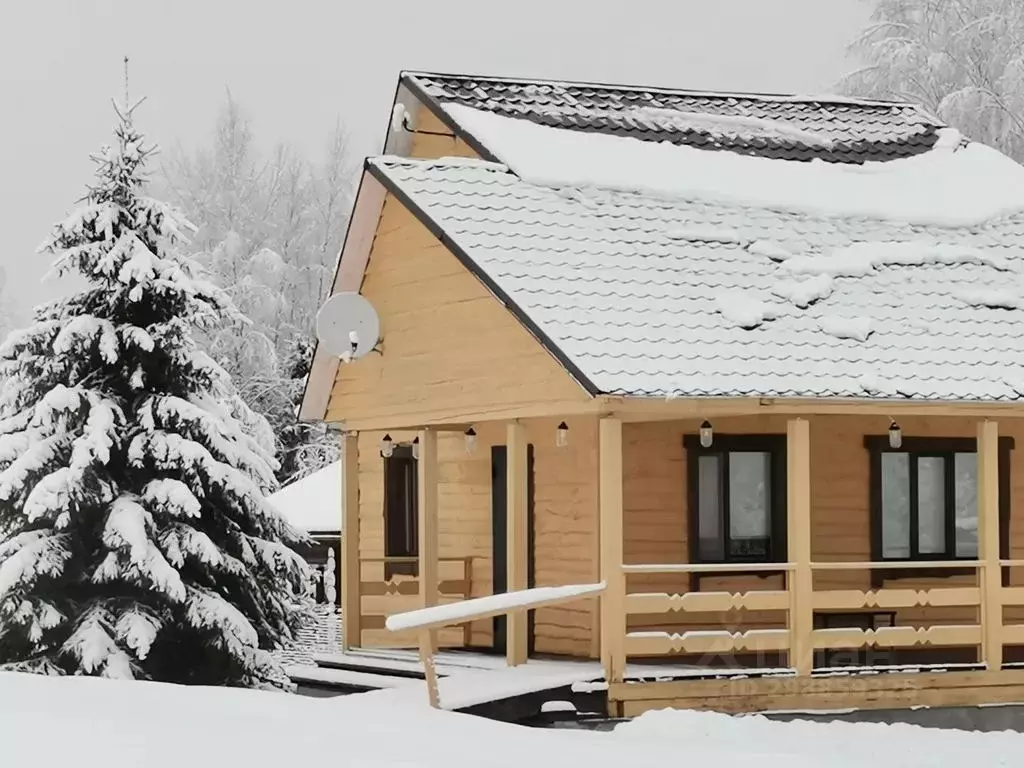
point(90, 723)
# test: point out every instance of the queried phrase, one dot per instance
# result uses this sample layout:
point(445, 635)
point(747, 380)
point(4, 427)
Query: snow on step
point(470, 689)
point(304, 674)
point(382, 663)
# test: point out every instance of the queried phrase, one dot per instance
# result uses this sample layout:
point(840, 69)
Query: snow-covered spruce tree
point(135, 541)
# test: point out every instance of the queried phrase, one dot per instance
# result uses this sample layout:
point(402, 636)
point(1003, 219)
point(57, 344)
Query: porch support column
point(351, 608)
point(613, 601)
point(991, 579)
point(517, 540)
point(426, 467)
point(798, 524)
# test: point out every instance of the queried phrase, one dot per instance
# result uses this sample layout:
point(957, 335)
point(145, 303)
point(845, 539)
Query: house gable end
point(450, 351)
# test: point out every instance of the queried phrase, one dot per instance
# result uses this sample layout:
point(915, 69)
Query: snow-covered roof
point(313, 504)
point(847, 130)
point(659, 269)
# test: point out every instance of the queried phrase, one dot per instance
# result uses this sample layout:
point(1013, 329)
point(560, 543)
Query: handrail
point(441, 616)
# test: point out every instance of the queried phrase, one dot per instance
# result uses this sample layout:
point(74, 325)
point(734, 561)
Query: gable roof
point(651, 267)
point(853, 130)
point(895, 269)
point(626, 287)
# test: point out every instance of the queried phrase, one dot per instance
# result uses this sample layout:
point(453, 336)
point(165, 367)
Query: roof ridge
point(776, 97)
point(446, 162)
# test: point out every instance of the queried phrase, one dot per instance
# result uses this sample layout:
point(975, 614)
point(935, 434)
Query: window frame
point(404, 454)
point(945, 448)
point(722, 445)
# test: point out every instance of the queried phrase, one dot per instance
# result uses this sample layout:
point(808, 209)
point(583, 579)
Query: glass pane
point(965, 472)
point(709, 508)
point(895, 505)
point(749, 494)
point(931, 505)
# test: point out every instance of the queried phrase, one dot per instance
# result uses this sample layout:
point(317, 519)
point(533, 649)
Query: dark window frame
point(944, 447)
point(722, 445)
point(401, 460)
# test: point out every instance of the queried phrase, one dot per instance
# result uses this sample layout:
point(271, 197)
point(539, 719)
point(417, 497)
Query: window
point(401, 527)
point(737, 499)
point(924, 498)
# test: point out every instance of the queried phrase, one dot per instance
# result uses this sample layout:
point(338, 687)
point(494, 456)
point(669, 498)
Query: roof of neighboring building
point(313, 504)
point(855, 130)
point(654, 269)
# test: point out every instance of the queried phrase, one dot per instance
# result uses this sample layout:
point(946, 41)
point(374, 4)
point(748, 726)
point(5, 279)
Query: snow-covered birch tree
point(135, 541)
point(269, 230)
point(962, 59)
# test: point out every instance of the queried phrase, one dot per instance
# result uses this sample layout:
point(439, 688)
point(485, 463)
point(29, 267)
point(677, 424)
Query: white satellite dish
point(348, 326)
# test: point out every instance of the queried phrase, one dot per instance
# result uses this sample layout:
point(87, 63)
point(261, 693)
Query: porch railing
point(989, 632)
point(379, 596)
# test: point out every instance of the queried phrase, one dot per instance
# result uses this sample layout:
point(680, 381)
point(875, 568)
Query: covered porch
point(777, 548)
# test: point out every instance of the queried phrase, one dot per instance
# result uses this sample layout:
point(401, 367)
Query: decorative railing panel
point(382, 598)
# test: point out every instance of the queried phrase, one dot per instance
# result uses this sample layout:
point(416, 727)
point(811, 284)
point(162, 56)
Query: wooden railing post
point(613, 601)
point(517, 541)
point(351, 575)
point(991, 580)
point(427, 476)
point(800, 581)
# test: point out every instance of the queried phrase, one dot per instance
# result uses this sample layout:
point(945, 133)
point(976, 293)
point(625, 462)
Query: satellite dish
point(348, 326)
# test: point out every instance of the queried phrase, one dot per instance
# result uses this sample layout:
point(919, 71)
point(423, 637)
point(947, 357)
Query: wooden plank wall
point(656, 518)
point(565, 526)
point(449, 346)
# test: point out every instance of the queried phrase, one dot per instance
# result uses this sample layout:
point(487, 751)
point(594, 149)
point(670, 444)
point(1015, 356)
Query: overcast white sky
point(299, 65)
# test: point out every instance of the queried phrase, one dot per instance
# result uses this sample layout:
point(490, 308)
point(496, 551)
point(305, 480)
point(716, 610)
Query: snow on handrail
point(439, 616)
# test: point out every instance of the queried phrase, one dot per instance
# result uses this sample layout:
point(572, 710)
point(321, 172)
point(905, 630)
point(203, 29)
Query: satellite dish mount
point(348, 326)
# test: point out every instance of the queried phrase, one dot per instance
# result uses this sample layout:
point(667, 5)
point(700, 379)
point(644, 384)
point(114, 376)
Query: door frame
point(499, 540)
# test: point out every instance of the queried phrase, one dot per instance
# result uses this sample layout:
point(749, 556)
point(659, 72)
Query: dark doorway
point(499, 536)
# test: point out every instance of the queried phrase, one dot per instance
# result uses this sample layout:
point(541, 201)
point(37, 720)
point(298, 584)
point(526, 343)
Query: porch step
point(344, 680)
point(389, 668)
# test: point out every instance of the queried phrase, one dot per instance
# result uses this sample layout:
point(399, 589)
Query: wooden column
point(426, 467)
point(613, 602)
point(991, 579)
point(798, 523)
point(517, 540)
point(351, 608)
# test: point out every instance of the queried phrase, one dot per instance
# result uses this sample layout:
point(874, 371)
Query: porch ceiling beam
point(451, 421)
point(640, 409)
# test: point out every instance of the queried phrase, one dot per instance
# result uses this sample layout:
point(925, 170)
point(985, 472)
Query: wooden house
point(755, 362)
